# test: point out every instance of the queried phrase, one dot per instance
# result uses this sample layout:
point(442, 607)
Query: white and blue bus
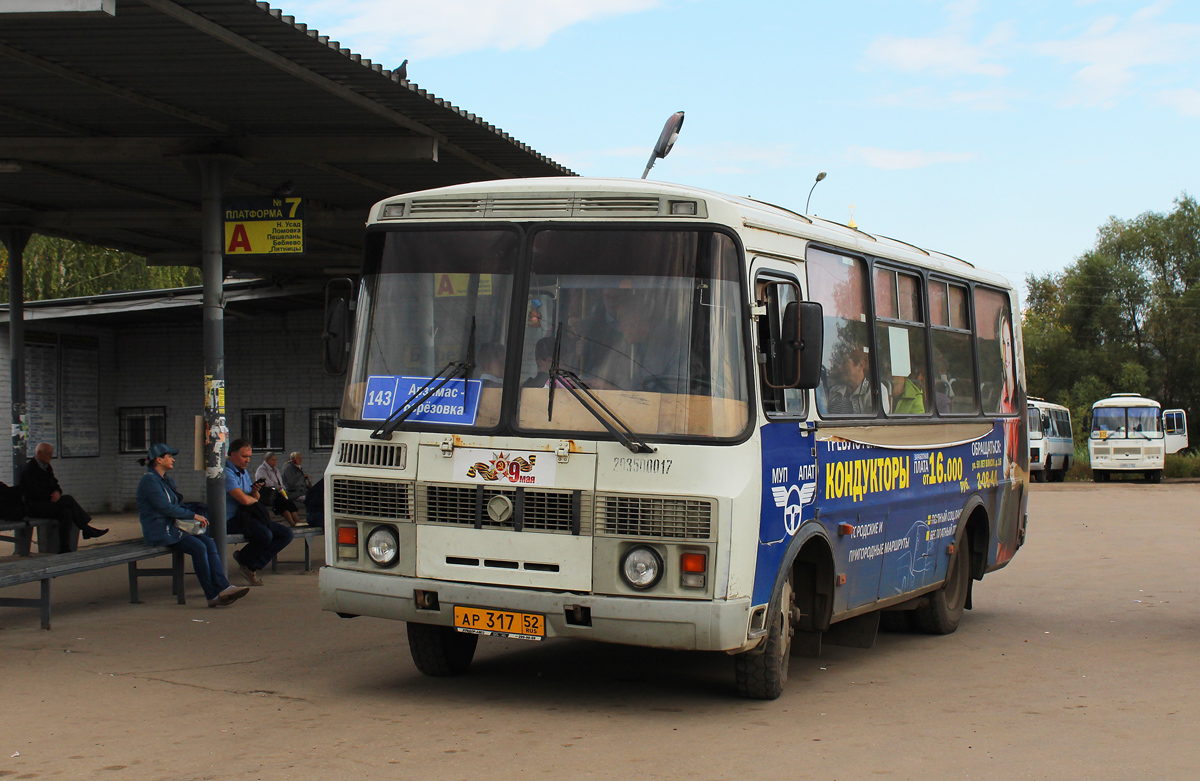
point(643, 413)
point(1051, 442)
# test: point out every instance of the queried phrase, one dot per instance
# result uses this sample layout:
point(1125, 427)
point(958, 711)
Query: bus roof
point(1126, 400)
point(1037, 403)
point(593, 199)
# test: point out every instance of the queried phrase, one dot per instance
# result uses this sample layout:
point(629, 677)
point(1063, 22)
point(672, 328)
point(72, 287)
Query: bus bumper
point(688, 625)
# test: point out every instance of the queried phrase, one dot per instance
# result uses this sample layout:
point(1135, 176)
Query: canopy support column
point(213, 173)
point(15, 241)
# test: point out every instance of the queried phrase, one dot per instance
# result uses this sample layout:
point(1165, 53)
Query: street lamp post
point(820, 176)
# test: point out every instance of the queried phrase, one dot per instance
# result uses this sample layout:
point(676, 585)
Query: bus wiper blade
point(447, 373)
point(609, 419)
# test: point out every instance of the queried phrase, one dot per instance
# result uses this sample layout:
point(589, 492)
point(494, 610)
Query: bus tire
point(944, 608)
point(1037, 476)
point(440, 651)
point(1154, 476)
point(1058, 475)
point(1099, 476)
point(762, 672)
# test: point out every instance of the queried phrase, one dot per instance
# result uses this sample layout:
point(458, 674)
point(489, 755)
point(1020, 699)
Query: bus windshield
point(430, 298)
point(1125, 423)
point(651, 324)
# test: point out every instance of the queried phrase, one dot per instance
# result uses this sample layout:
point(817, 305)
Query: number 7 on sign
point(295, 202)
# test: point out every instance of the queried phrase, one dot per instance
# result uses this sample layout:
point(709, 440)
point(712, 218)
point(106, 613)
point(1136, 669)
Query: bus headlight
point(383, 546)
point(642, 567)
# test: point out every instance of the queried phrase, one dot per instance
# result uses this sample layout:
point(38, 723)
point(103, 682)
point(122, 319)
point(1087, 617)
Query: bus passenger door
point(1175, 428)
point(855, 518)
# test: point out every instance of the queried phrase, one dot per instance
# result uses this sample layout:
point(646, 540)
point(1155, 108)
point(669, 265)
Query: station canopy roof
point(106, 105)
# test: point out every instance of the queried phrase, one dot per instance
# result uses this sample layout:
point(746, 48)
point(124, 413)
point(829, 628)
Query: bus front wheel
point(1099, 476)
point(440, 651)
point(762, 672)
point(944, 608)
point(1154, 476)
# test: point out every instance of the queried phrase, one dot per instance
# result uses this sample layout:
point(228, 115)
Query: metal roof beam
point(138, 219)
point(279, 149)
point(100, 85)
point(145, 194)
point(44, 121)
point(36, 8)
point(286, 65)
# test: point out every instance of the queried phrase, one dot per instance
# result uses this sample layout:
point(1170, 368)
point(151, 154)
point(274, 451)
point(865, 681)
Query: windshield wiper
point(579, 389)
point(426, 391)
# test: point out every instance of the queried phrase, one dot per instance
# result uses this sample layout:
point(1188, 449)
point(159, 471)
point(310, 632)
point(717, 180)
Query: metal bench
point(305, 533)
point(44, 568)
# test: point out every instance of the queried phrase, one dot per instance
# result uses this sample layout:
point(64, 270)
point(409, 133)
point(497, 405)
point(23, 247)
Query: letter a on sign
point(239, 240)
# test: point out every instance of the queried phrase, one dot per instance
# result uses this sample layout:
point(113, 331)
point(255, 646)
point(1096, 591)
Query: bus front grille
point(664, 517)
point(372, 454)
point(1127, 451)
point(567, 512)
point(371, 498)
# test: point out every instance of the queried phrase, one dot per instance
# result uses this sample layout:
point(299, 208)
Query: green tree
point(58, 268)
point(1123, 317)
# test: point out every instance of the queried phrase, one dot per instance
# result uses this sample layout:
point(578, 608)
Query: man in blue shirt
point(245, 515)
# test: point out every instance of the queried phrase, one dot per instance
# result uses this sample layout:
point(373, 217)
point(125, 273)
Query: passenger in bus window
point(851, 393)
point(543, 353)
point(943, 388)
point(490, 363)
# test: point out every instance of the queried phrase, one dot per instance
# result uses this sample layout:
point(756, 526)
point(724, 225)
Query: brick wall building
point(140, 358)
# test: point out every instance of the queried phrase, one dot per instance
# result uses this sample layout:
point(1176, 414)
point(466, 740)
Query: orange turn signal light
point(693, 562)
point(845, 528)
point(347, 535)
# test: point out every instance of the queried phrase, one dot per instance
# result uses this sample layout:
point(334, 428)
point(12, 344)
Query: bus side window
point(997, 359)
point(839, 283)
point(776, 294)
point(900, 344)
point(953, 356)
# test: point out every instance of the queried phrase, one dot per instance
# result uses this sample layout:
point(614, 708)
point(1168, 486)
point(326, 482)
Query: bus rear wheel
point(944, 608)
point(1099, 476)
point(762, 672)
point(441, 651)
point(1154, 476)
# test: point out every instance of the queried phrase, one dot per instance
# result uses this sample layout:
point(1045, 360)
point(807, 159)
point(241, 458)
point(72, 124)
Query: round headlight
point(642, 567)
point(383, 546)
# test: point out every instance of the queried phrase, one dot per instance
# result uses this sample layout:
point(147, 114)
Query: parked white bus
point(1130, 433)
point(580, 408)
point(1051, 444)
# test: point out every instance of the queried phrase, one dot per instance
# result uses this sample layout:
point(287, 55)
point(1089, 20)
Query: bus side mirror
point(339, 325)
point(812, 343)
point(798, 357)
point(1046, 423)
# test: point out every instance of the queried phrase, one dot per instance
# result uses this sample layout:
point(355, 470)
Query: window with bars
point(322, 423)
point(263, 428)
point(141, 427)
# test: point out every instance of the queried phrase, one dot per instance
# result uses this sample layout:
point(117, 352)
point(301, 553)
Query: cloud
point(419, 28)
point(898, 159)
point(1111, 49)
point(1185, 101)
point(925, 98)
point(949, 53)
point(946, 55)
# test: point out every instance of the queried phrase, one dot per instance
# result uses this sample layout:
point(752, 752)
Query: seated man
point(851, 395)
point(245, 515)
point(295, 481)
point(44, 499)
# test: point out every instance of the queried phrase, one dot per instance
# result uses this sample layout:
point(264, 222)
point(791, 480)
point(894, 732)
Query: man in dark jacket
point(44, 499)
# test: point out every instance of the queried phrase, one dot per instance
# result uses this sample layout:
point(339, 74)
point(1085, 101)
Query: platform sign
point(264, 226)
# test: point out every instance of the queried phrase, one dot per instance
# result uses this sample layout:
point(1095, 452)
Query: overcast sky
point(1004, 133)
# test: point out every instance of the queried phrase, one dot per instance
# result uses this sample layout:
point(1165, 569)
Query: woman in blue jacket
point(160, 504)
